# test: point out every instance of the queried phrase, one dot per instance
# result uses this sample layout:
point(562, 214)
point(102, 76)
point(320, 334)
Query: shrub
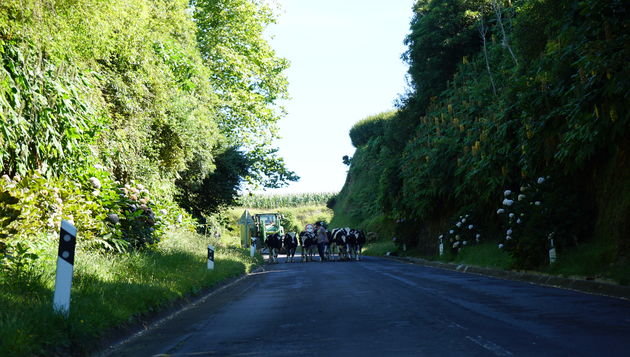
point(540, 216)
point(369, 127)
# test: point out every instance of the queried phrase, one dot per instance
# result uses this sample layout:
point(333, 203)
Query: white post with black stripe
point(65, 267)
point(210, 257)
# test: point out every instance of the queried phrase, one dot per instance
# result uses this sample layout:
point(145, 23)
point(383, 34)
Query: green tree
point(207, 195)
point(248, 79)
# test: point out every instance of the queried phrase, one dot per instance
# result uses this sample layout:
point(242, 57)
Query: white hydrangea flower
point(500, 246)
point(540, 180)
point(471, 226)
point(518, 221)
point(478, 236)
point(521, 197)
point(511, 215)
point(507, 193)
point(451, 231)
point(465, 242)
point(96, 183)
point(537, 203)
point(459, 224)
point(508, 237)
point(509, 232)
point(500, 211)
point(508, 202)
point(463, 220)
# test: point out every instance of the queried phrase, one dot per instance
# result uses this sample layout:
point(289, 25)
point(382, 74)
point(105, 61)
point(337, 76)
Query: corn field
point(285, 200)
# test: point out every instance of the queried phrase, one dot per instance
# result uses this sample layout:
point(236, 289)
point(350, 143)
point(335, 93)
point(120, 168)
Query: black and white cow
point(290, 245)
point(308, 244)
point(338, 243)
point(361, 239)
point(356, 240)
point(351, 243)
point(274, 244)
point(329, 247)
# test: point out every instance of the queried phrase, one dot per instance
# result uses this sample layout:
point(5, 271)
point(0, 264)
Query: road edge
point(577, 284)
point(120, 335)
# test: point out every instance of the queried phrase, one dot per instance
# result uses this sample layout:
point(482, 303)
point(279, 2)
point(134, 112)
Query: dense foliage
point(115, 115)
point(504, 94)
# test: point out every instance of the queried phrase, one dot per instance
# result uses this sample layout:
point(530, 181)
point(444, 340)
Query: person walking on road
point(322, 240)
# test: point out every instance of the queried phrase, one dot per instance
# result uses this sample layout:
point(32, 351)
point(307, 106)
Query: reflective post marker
point(210, 257)
point(65, 265)
point(552, 253)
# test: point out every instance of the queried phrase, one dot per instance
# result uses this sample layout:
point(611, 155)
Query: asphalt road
point(379, 307)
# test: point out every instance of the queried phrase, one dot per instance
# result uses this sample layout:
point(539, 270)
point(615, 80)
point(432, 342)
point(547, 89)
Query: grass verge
point(109, 290)
point(592, 260)
point(379, 248)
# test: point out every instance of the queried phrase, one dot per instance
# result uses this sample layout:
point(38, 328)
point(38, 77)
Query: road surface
point(380, 307)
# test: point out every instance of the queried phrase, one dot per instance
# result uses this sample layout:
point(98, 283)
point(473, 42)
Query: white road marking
point(408, 282)
point(490, 346)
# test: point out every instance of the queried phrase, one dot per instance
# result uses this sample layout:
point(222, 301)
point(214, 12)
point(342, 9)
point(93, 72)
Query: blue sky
point(345, 66)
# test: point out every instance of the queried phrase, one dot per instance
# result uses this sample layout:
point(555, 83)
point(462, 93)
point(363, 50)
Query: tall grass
point(108, 291)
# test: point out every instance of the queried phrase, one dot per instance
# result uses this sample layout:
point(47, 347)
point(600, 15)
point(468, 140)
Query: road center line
point(408, 282)
point(490, 346)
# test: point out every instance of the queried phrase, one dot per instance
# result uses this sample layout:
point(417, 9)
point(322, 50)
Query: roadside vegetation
point(136, 121)
point(510, 142)
point(109, 291)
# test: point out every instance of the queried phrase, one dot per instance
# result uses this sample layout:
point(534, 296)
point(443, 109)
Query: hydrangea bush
point(108, 215)
point(540, 215)
point(463, 232)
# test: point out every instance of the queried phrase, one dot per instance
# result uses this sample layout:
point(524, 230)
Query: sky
point(345, 65)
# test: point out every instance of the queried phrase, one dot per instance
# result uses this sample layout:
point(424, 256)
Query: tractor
point(266, 224)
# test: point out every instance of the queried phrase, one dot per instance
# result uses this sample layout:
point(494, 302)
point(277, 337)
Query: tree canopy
point(156, 103)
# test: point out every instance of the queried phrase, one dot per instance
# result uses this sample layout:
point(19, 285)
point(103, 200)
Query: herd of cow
point(343, 244)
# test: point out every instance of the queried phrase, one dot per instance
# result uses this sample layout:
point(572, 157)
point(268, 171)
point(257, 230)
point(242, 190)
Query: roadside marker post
point(210, 257)
point(252, 247)
point(552, 253)
point(65, 268)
